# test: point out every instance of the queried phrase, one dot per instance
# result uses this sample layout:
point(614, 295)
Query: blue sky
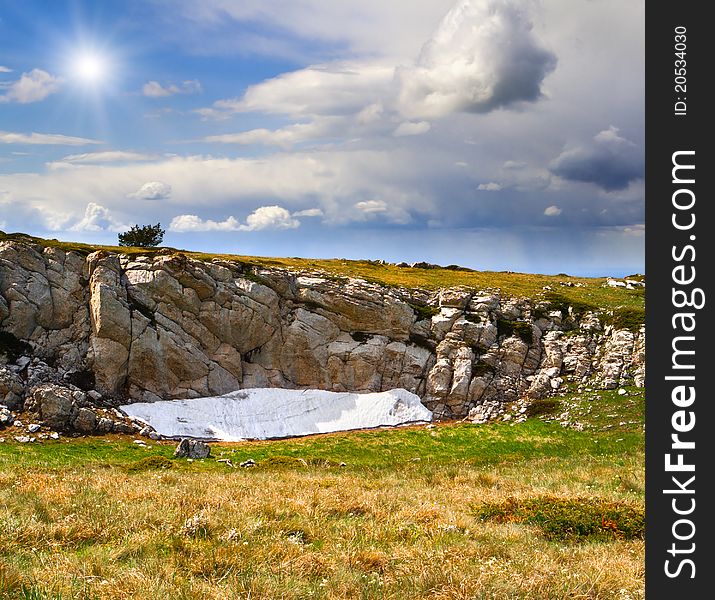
point(495, 134)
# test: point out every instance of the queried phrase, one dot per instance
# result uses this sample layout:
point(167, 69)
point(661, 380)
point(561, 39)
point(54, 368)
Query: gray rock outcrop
point(144, 328)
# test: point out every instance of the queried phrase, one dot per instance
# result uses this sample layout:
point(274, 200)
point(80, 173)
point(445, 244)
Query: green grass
point(478, 445)
point(405, 517)
point(603, 410)
point(149, 463)
point(570, 519)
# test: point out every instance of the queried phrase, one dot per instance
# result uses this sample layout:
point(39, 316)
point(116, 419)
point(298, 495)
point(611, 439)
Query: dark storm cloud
point(608, 161)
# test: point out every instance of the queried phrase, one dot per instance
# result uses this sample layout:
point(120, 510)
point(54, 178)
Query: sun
point(90, 67)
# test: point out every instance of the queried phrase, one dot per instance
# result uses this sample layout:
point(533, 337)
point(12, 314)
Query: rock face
point(166, 327)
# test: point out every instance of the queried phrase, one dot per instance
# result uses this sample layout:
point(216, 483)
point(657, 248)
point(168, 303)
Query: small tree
point(146, 236)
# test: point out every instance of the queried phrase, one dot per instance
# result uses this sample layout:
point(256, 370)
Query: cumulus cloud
point(31, 87)
point(552, 211)
point(264, 217)
point(609, 161)
point(483, 56)
point(5, 69)
point(9, 137)
point(153, 89)
point(270, 217)
point(332, 181)
point(489, 187)
point(411, 128)
point(152, 190)
point(98, 218)
point(186, 223)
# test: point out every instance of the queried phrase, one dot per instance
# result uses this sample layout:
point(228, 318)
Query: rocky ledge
point(105, 329)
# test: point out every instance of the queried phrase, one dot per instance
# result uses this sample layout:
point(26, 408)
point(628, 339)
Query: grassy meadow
point(533, 510)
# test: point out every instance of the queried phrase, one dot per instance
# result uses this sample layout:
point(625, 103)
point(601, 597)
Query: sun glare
point(90, 68)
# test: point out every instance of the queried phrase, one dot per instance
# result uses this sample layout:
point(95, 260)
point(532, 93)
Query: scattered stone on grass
point(192, 449)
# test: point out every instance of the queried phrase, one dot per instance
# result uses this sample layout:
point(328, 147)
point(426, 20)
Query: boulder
point(11, 388)
point(192, 449)
point(55, 406)
point(86, 420)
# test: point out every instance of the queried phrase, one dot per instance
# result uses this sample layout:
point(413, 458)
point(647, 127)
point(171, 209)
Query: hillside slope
point(138, 325)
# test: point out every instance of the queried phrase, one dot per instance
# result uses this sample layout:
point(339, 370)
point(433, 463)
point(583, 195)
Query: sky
point(493, 134)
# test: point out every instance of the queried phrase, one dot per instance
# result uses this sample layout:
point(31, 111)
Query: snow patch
point(265, 413)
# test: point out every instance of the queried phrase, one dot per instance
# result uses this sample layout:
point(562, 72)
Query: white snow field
point(265, 413)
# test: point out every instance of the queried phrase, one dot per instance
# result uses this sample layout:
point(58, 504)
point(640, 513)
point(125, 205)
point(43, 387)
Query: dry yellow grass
point(400, 521)
point(303, 533)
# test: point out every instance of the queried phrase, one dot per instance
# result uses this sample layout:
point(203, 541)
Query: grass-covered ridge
point(582, 292)
point(531, 510)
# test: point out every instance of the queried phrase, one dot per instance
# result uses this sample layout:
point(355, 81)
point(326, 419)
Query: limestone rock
point(85, 421)
point(192, 449)
point(11, 388)
point(6, 416)
point(55, 406)
point(168, 326)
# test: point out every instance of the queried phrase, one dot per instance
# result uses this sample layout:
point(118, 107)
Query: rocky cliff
point(144, 328)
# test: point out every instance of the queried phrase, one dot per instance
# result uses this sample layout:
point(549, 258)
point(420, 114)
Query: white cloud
point(270, 217)
point(309, 212)
point(284, 137)
point(411, 128)
point(153, 89)
point(186, 223)
point(264, 217)
point(31, 87)
point(393, 213)
point(637, 230)
point(338, 88)
point(152, 190)
point(375, 27)
point(8, 137)
point(372, 206)
point(110, 156)
point(552, 211)
point(489, 187)
point(5, 69)
point(514, 165)
point(332, 181)
point(371, 113)
point(98, 218)
point(483, 56)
